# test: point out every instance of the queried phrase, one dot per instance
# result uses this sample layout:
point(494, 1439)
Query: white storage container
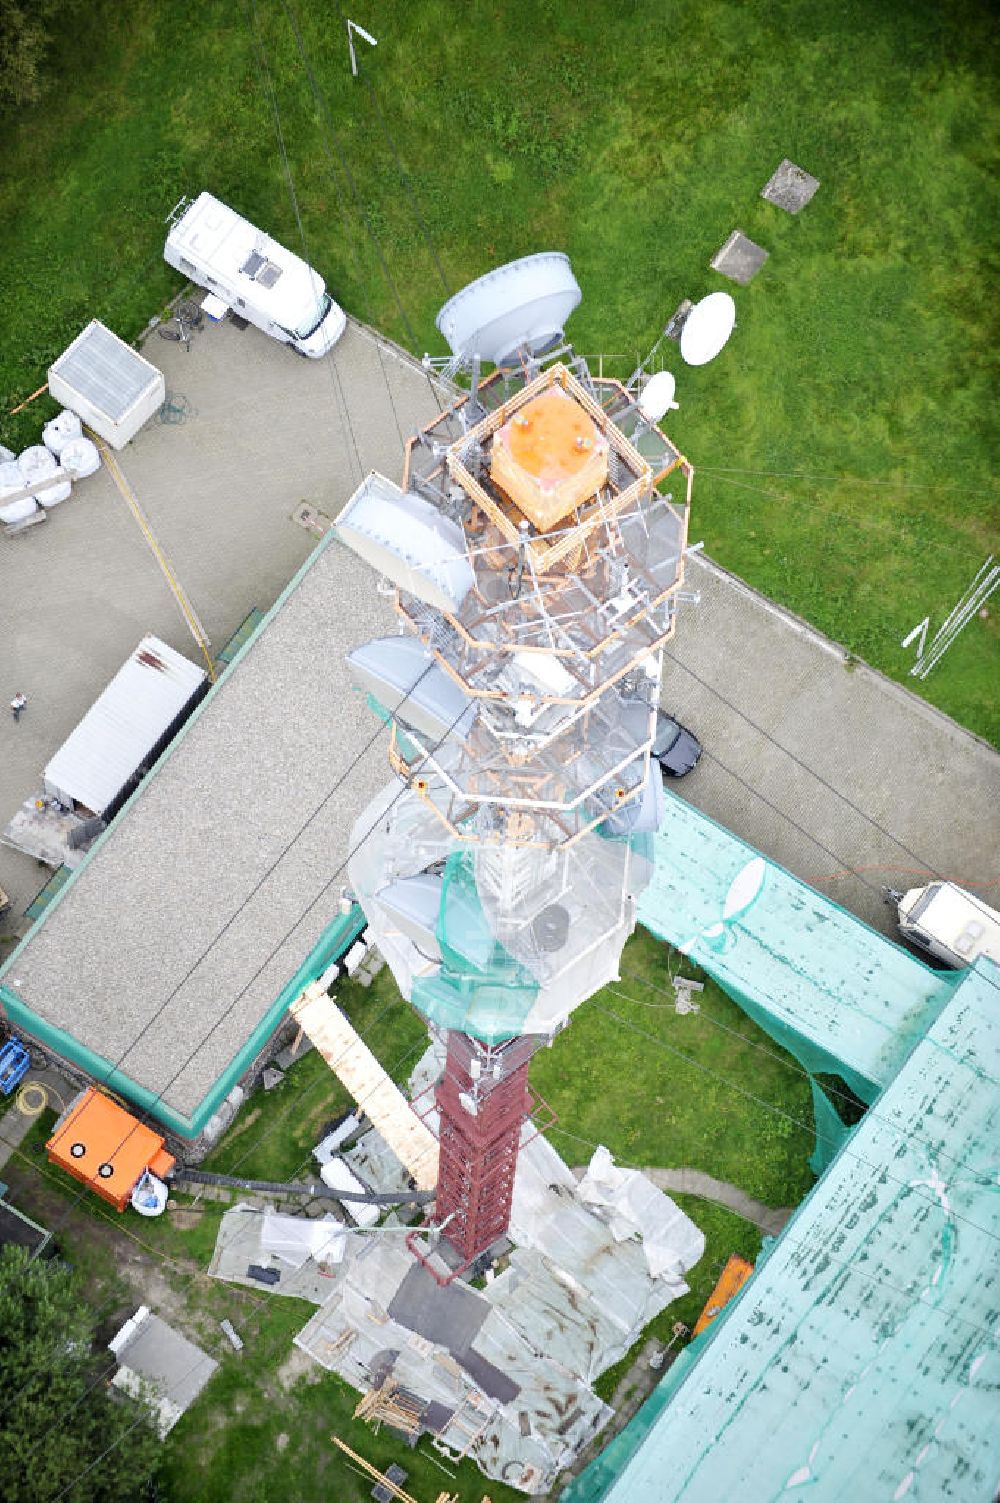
point(97, 765)
point(107, 384)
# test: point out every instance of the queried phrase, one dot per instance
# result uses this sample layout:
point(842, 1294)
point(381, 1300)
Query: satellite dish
point(658, 396)
point(707, 328)
point(521, 306)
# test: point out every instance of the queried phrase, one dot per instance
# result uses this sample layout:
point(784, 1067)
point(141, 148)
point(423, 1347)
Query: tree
point(62, 1434)
point(24, 39)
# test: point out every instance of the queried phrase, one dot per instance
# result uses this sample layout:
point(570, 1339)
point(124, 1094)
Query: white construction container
point(110, 386)
point(125, 730)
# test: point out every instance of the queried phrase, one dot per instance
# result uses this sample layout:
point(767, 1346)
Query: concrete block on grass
point(739, 259)
point(790, 187)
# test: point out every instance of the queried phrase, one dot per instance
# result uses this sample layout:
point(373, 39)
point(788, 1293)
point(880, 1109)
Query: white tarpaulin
point(295, 1239)
point(632, 1206)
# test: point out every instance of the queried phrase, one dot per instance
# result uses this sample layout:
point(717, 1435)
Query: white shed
point(100, 762)
point(107, 384)
point(158, 1364)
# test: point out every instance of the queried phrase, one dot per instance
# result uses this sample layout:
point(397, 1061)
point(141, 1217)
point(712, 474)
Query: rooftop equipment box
point(107, 384)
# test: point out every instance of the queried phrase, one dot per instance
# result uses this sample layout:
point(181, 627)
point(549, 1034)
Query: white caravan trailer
point(949, 923)
point(260, 280)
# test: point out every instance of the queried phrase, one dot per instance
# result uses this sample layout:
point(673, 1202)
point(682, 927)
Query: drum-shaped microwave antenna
point(657, 396)
point(521, 306)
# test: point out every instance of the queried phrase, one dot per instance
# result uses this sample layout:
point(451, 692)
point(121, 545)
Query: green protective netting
point(831, 1132)
point(480, 989)
point(593, 1484)
point(406, 747)
point(861, 1360)
point(840, 998)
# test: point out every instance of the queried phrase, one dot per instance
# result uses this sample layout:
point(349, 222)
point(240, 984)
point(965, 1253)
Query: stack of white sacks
point(65, 448)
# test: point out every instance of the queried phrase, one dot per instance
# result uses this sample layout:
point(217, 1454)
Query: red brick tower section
point(483, 1101)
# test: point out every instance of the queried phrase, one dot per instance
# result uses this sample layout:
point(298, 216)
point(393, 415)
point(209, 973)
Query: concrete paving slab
point(740, 259)
point(789, 186)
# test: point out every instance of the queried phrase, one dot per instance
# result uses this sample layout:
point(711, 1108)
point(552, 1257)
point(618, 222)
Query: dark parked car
point(675, 747)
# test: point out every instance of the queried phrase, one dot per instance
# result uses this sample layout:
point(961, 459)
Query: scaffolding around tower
point(536, 554)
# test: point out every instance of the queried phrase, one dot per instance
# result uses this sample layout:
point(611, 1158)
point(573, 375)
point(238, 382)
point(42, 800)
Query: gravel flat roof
point(168, 949)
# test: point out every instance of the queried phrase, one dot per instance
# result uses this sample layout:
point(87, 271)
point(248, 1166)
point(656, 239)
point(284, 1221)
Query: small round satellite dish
point(521, 306)
point(658, 396)
point(550, 928)
point(707, 328)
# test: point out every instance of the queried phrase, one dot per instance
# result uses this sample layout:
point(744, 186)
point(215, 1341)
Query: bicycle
point(187, 317)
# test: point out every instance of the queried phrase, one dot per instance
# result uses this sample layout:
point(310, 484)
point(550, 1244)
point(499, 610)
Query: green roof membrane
point(838, 996)
point(862, 1360)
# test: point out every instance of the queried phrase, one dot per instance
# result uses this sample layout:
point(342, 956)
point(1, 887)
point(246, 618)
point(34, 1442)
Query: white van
point(259, 280)
point(949, 923)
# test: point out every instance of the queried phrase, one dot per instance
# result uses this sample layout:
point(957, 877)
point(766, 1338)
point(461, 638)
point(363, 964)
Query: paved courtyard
point(842, 776)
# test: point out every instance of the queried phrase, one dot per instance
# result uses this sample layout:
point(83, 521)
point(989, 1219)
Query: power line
point(888, 528)
point(265, 73)
point(405, 180)
point(262, 1305)
point(274, 1126)
point(791, 1240)
point(331, 138)
point(889, 481)
point(328, 125)
point(222, 1018)
point(348, 240)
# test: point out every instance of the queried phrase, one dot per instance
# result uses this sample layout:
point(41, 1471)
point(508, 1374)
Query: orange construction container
point(105, 1147)
point(731, 1281)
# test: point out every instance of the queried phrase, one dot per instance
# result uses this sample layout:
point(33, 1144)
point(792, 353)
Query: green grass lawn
point(256, 1432)
point(843, 442)
point(273, 1137)
point(705, 1091)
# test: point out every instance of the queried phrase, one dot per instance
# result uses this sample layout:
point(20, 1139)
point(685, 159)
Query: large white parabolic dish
point(523, 305)
point(707, 328)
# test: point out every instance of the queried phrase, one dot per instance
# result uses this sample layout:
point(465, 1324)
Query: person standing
point(17, 704)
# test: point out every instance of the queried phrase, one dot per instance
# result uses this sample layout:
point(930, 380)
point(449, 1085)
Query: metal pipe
point(316, 1189)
